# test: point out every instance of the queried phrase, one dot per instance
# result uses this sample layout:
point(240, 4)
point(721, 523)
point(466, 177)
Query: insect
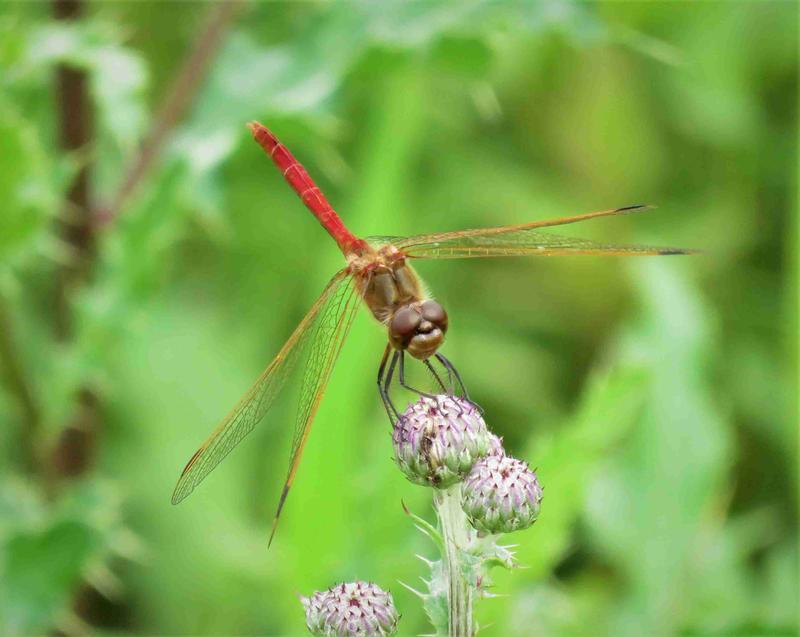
point(379, 274)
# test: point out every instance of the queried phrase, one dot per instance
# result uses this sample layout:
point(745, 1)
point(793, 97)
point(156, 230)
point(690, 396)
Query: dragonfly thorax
point(396, 297)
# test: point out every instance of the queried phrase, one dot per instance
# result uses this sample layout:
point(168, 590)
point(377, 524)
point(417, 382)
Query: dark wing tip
point(639, 207)
point(642, 207)
point(671, 251)
point(281, 502)
point(180, 492)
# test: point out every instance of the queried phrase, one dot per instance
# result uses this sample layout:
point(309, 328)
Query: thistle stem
point(455, 535)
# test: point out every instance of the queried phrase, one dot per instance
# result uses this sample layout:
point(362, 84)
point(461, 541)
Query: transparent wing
point(527, 243)
point(522, 240)
point(315, 345)
point(330, 333)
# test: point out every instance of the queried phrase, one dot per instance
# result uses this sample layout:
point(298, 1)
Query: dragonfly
point(378, 273)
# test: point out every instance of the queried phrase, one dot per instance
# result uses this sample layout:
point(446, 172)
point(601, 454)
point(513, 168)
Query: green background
point(656, 396)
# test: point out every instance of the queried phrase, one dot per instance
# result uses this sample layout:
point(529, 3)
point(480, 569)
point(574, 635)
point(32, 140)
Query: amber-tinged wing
point(522, 240)
point(314, 347)
point(330, 333)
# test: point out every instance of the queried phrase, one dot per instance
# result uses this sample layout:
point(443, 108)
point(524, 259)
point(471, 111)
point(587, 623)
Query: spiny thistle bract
point(495, 445)
point(351, 609)
point(437, 440)
point(500, 495)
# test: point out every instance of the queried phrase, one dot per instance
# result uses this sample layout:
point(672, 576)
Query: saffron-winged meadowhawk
point(377, 272)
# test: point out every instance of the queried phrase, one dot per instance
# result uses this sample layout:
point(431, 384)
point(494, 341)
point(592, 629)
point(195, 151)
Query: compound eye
point(433, 312)
point(405, 322)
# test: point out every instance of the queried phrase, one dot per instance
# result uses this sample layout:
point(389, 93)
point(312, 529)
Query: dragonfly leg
point(463, 388)
point(381, 373)
point(404, 385)
point(384, 382)
point(438, 380)
point(392, 360)
point(452, 372)
point(450, 381)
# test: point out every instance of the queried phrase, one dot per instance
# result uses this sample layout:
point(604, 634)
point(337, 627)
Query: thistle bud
point(437, 440)
point(501, 495)
point(495, 445)
point(352, 609)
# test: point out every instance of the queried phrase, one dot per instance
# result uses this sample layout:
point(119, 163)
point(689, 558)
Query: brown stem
point(75, 132)
point(181, 94)
point(75, 448)
point(75, 226)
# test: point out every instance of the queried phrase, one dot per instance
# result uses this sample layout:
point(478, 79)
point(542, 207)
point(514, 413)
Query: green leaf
point(47, 550)
point(680, 449)
point(567, 459)
point(28, 185)
point(462, 56)
point(41, 570)
point(118, 76)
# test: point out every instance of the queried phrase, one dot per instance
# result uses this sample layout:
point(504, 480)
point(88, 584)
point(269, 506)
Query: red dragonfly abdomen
point(299, 179)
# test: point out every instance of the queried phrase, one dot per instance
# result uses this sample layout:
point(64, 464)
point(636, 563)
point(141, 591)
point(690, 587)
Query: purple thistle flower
point(495, 445)
point(500, 495)
point(437, 440)
point(351, 609)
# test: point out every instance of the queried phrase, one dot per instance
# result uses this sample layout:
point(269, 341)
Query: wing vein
point(258, 400)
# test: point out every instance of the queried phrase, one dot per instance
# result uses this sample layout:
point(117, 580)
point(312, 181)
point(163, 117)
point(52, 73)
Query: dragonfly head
point(418, 328)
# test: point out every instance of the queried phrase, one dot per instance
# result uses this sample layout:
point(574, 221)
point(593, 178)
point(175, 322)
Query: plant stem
point(74, 451)
point(76, 129)
point(180, 96)
point(455, 534)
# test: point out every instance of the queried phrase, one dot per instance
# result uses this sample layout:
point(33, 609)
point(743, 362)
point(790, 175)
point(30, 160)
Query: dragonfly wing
point(304, 345)
point(527, 243)
point(330, 333)
point(523, 240)
point(544, 223)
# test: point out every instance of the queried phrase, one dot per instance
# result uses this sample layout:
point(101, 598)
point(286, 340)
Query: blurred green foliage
point(656, 396)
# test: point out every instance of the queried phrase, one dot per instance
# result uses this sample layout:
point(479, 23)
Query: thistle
point(352, 609)
point(495, 446)
point(443, 442)
point(501, 495)
point(437, 440)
